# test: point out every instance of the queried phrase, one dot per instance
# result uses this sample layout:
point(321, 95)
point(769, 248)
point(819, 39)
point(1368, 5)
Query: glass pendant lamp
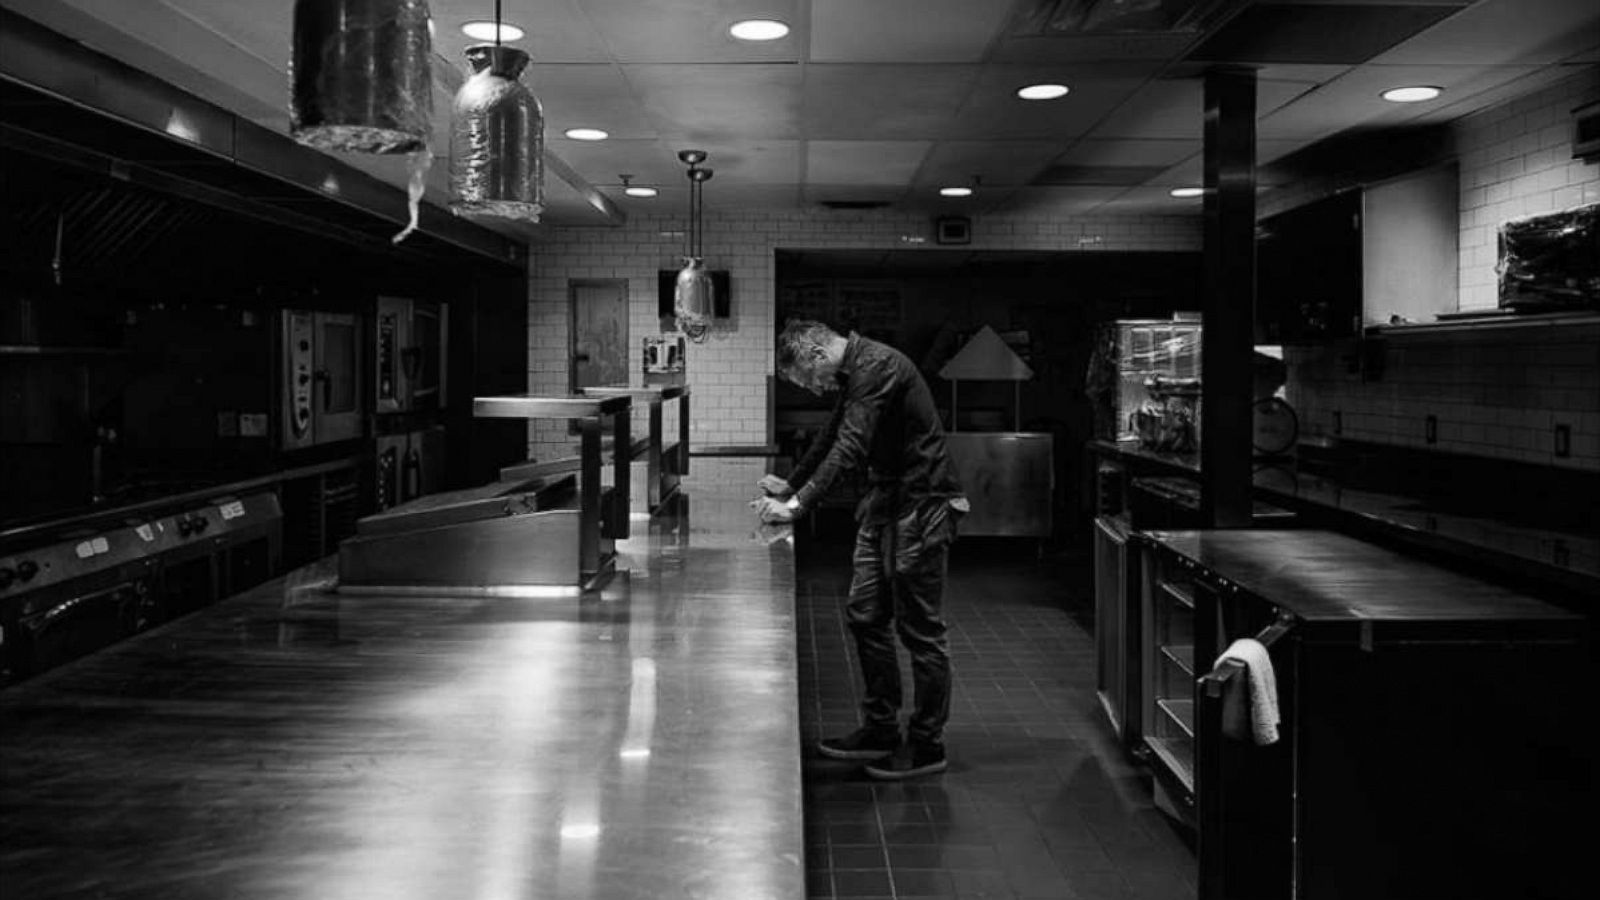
point(360, 75)
point(694, 295)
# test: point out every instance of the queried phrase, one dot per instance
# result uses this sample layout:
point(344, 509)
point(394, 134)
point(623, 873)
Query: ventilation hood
point(161, 156)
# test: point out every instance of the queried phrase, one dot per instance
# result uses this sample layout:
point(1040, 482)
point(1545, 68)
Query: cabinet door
point(1410, 247)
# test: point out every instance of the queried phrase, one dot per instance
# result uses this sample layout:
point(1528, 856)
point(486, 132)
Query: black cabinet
point(1309, 272)
point(1435, 736)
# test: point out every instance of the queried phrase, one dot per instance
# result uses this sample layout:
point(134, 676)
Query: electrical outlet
point(1563, 440)
point(1430, 429)
point(1338, 422)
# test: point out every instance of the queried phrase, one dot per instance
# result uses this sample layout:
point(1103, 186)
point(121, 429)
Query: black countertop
point(1325, 576)
point(1560, 551)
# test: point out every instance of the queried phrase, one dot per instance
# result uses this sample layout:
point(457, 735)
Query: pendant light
point(361, 77)
point(694, 296)
point(497, 137)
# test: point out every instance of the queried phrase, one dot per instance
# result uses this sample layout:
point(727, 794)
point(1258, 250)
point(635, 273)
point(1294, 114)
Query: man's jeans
point(898, 586)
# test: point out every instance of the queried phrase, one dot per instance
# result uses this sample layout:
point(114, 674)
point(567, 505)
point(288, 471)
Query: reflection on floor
point(1039, 802)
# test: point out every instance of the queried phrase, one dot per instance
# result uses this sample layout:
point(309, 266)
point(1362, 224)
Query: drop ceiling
point(889, 100)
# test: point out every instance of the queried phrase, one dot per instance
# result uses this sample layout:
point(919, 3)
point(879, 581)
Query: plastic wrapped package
point(361, 76)
point(693, 298)
point(1551, 261)
point(497, 139)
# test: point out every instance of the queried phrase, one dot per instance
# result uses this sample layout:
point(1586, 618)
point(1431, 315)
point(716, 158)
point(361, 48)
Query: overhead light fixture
point(1183, 193)
point(1043, 91)
point(693, 298)
point(587, 134)
point(1412, 94)
point(497, 138)
point(955, 192)
point(490, 31)
point(759, 30)
point(636, 191)
point(361, 76)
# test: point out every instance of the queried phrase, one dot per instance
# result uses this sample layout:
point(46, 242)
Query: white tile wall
point(729, 373)
point(1516, 160)
point(1497, 393)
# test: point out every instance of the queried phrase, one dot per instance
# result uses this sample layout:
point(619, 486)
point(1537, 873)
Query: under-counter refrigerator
point(1436, 735)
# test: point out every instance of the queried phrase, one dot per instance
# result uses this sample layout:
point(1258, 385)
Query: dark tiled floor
point(1039, 802)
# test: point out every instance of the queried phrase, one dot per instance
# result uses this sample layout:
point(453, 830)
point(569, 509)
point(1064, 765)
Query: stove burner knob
point(6, 577)
point(201, 524)
point(184, 528)
point(27, 569)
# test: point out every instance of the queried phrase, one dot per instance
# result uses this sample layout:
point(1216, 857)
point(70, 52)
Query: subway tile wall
point(1499, 393)
point(1516, 160)
point(729, 373)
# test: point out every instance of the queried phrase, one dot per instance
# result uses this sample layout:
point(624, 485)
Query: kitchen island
point(293, 741)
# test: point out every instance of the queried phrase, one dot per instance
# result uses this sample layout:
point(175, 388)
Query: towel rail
point(1225, 669)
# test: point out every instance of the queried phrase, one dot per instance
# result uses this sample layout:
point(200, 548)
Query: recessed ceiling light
point(1186, 192)
point(1412, 94)
point(955, 192)
point(1042, 91)
point(759, 30)
point(484, 31)
point(587, 134)
point(640, 191)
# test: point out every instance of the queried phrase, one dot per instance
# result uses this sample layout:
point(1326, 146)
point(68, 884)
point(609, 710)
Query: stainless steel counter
point(294, 742)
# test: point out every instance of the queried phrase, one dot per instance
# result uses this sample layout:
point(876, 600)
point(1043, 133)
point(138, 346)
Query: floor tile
point(1039, 800)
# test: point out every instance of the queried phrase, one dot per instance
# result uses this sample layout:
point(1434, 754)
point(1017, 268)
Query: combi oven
point(409, 360)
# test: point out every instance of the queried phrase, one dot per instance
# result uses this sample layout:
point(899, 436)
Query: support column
point(1228, 305)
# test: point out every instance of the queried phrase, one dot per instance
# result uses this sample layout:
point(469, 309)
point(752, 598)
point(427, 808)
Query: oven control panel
point(301, 358)
point(74, 554)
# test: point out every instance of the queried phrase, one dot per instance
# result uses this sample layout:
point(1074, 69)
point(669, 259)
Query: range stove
point(71, 588)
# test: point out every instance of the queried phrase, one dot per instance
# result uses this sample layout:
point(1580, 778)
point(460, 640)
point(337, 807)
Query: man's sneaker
point(909, 761)
point(866, 742)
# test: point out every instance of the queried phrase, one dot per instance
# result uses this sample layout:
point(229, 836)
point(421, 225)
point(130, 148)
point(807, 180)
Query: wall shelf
point(1488, 321)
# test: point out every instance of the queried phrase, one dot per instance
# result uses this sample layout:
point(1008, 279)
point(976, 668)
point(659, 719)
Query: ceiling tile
point(701, 102)
point(556, 31)
point(753, 162)
point(1051, 200)
point(589, 96)
point(1316, 33)
point(1352, 100)
point(993, 111)
point(1152, 200)
point(650, 162)
point(1504, 32)
point(1153, 152)
point(814, 193)
point(863, 162)
point(748, 196)
point(911, 31)
point(1155, 50)
point(894, 102)
point(995, 162)
point(693, 31)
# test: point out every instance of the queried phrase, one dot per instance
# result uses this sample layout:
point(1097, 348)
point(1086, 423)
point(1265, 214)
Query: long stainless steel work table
point(295, 742)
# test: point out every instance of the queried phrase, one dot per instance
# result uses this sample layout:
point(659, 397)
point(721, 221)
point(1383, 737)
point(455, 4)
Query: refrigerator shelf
point(1182, 655)
point(1179, 711)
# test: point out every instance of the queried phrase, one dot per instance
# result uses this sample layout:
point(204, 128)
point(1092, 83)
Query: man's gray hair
point(797, 338)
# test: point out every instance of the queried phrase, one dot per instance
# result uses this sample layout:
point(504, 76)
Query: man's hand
point(773, 511)
point(773, 486)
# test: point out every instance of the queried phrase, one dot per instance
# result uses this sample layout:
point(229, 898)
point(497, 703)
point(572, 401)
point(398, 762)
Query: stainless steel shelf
point(1181, 655)
point(525, 407)
point(1177, 592)
point(1179, 711)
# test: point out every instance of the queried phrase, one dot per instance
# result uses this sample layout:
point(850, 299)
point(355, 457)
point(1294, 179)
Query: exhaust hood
point(66, 103)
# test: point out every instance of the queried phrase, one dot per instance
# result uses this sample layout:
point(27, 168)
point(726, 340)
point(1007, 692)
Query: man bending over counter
point(884, 419)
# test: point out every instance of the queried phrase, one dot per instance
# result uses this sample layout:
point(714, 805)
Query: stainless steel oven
point(409, 358)
point(320, 377)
